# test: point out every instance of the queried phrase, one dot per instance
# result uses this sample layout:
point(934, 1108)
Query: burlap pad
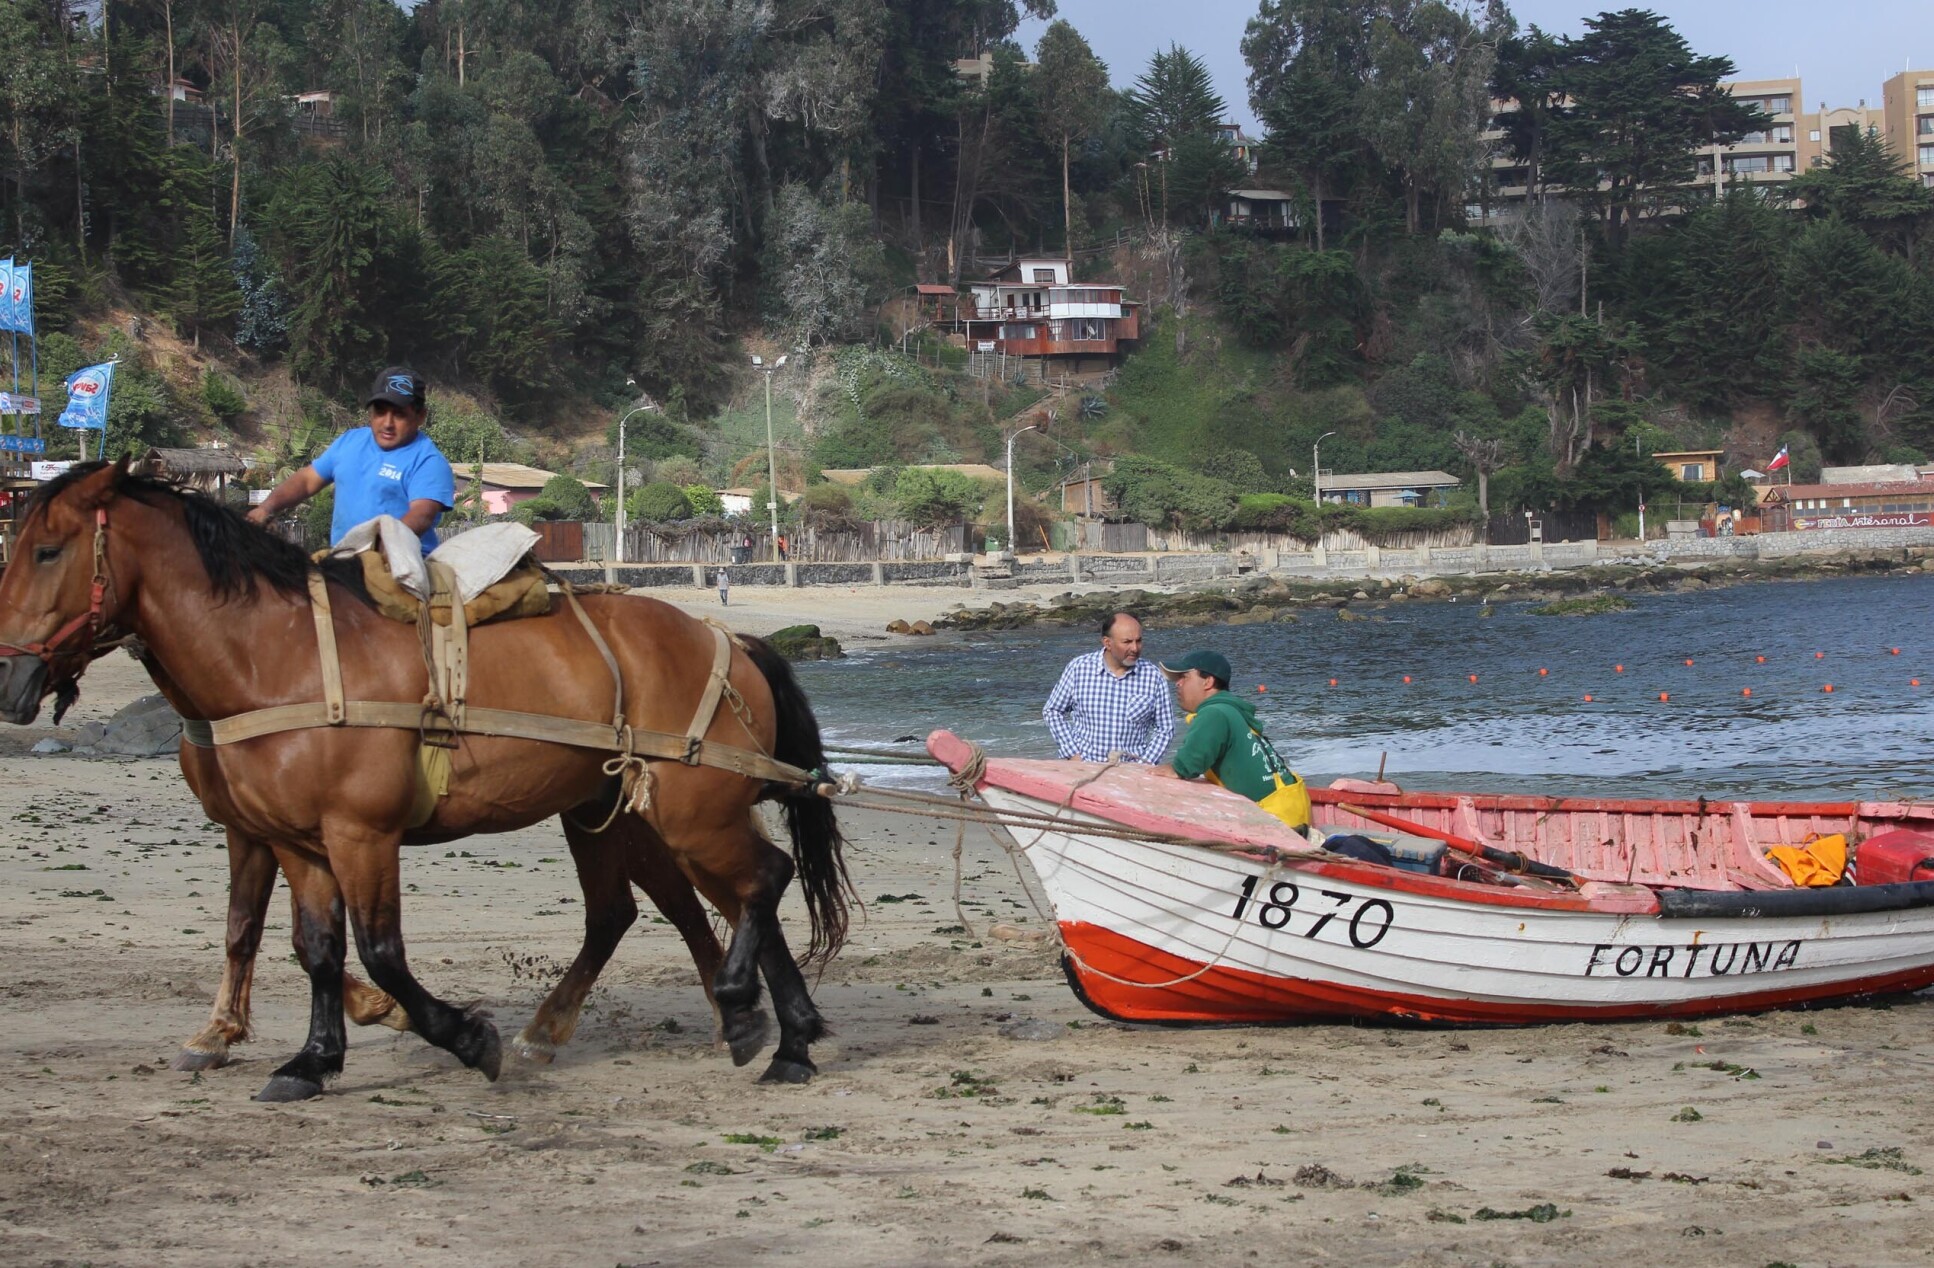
point(521, 593)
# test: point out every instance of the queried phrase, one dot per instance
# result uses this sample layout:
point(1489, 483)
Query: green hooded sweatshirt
point(1223, 739)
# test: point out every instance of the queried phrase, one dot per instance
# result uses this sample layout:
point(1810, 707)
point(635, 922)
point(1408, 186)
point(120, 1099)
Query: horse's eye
point(46, 554)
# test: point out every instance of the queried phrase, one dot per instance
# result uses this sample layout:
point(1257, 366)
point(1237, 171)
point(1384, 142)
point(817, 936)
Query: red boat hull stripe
point(1225, 995)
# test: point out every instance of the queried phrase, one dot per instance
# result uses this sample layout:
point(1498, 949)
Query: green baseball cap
point(1211, 664)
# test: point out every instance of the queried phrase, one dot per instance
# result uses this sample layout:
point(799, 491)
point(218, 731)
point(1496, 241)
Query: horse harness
point(444, 713)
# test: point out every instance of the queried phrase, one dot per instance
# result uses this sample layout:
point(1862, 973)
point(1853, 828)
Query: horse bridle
point(88, 625)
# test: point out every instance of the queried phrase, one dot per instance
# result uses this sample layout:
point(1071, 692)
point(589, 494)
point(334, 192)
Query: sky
point(1841, 55)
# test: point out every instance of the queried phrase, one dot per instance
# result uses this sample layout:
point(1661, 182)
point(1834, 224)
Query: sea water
point(1513, 729)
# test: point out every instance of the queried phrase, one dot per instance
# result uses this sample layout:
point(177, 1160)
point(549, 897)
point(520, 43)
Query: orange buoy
point(1543, 672)
point(1332, 682)
point(1261, 688)
point(1747, 692)
point(1688, 660)
point(1913, 682)
point(1894, 650)
point(1588, 697)
point(1819, 655)
point(1406, 677)
point(1618, 669)
point(1665, 695)
point(1473, 677)
point(1759, 660)
point(1828, 687)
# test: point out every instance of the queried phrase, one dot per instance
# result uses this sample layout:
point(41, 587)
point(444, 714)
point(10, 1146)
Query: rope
point(966, 782)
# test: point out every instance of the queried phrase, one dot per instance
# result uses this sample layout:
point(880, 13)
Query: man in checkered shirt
point(1110, 705)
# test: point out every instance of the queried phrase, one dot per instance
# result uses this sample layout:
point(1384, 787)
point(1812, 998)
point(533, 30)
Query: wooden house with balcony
point(1034, 308)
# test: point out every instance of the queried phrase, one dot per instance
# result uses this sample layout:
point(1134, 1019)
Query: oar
point(1509, 860)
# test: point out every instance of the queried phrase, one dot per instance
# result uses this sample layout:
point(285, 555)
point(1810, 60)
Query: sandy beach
point(969, 1109)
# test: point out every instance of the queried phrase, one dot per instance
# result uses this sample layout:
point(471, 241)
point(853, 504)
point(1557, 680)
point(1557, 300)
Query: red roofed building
point(1893, 504)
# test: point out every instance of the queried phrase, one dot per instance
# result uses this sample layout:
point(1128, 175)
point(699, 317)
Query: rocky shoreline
point(1264, 599)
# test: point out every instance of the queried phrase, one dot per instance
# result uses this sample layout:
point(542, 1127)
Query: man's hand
point(294, 491)
point(1166, 772)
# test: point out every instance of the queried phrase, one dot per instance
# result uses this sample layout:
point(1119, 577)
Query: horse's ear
point(98, 488)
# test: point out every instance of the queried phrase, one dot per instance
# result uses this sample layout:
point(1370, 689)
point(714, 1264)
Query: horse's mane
point(238, 556)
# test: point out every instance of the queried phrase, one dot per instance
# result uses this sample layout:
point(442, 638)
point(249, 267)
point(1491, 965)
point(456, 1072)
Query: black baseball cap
point(400, 387)
point(1213, 664)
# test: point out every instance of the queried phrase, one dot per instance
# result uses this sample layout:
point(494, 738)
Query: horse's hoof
point(747, 1039)
point(784, 1071)
point(189, 1060)
point(288, 1087)
point(491, 1060)
point(532, 1050)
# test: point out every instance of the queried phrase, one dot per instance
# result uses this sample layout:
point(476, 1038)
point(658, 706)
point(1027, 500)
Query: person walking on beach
point(387, 468)
point(1223, 743)
point(725, 587)
point(1110, 706)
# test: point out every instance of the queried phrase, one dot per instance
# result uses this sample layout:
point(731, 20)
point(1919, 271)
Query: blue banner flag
point(6, 293)
point(21, 291)
point(87, 392)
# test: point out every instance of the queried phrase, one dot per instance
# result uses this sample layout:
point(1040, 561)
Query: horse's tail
point(816, 841)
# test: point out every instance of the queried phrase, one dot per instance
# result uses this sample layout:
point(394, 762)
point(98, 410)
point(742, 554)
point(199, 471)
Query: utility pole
point(649, 404)
point(1010, 485)
point(772, 454)
point(1316, 467)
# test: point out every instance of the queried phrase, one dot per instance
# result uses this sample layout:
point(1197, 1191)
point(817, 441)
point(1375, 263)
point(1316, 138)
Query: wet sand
point(930, 1135)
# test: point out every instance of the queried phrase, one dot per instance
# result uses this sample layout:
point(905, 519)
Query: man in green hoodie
point(1223, 745)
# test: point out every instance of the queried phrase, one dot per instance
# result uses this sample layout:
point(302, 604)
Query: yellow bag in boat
point(1290, 802)
point(1821, 861)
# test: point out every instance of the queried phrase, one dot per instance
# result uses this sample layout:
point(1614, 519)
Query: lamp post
point(1010, 484)
point(649, 405)
point(772, 454)
point(1316, 467)
point(1640, 453)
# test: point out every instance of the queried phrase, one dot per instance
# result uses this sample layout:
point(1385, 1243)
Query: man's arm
point(422, 515)
point(1163, 730)
point(1202, 746)
point(1058, 713)
point(294, 491)
point(432, 489)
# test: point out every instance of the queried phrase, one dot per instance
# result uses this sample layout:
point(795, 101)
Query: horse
point(225, 614)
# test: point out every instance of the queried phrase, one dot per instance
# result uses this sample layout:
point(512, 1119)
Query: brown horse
point(222, 610)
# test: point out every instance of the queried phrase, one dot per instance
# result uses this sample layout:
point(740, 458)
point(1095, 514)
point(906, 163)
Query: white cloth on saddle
point(479, 558)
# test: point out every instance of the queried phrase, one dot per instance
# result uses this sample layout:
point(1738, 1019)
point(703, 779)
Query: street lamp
point(1316, 467)
point(1010, 483)
point(647, 406)
point(772, 455)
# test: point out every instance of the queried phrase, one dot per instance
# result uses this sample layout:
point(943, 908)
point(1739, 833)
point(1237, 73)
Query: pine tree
point(1072, 88)
point(1173, 98)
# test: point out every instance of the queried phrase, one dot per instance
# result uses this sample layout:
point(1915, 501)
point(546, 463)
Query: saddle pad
point(521, 593)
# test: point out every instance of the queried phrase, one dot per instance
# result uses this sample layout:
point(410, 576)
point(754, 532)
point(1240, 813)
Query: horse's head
point(54, 592)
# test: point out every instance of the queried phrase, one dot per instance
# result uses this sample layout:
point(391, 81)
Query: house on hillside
point(1266, 211)
point(505, 484)
point(1083, 494)
point(1033, 308)
point(1694, 466)
point(739, 501)
point(1387, 488)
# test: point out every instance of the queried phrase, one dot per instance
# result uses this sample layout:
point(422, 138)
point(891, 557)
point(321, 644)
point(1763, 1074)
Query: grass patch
point(1543, 1213)
point(1877, 1160)
point(765, 1143)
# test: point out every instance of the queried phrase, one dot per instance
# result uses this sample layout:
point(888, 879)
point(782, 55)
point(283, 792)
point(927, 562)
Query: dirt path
point(931, 1136)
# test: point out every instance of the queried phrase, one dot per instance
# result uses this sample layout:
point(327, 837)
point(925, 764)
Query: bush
point(658, 503)
point(703, 498)
point(222, 396)
point(827, 507)
point(1159, 494)
point(561, 498)
point(679, 470)
point(930, 497)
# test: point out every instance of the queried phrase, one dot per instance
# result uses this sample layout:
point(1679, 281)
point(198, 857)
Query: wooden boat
point(1674, 911)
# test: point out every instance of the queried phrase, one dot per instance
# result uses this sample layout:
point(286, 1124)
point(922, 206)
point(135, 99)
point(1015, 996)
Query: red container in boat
point(1887, 858)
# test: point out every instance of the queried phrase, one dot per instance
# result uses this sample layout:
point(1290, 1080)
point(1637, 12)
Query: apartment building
point(1907, 120)
point(1769, 156)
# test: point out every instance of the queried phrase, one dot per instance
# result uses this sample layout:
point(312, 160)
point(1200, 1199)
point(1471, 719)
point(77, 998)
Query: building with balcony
point(1034, 308)
point(1907, 120)
point(1694, 466)
point(1771, 156)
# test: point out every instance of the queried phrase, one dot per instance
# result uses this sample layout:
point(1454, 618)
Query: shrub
point(930, 497)
point(704, 499)
point(222, 396)
point(657, 503)
point(1160, 494)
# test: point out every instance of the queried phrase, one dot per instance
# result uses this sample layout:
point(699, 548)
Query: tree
point(1866, 184)
point(1306, 60)
point(1485, 455)
point(1642, 105)
point(1524, 77)
point(933, 498)
point(1172, 99)
point(1427, 99)
point(245, 58)
point(822, 264)
point(337, 232)
point(1072, 87)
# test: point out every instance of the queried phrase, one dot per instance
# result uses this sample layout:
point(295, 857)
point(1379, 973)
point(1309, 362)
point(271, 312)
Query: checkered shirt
point(1094, 715)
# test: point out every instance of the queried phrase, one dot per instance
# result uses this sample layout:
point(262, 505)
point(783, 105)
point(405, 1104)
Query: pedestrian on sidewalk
point(725, 587)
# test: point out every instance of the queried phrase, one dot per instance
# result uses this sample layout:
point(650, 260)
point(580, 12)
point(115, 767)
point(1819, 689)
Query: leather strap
point(332, 700)
point(500, 723)
point(708, 704)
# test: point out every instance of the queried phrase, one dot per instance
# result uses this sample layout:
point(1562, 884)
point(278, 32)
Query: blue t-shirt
point(372, 481)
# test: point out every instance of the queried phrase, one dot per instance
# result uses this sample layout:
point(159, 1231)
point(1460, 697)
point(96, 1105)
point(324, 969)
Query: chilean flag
point(1779, 460)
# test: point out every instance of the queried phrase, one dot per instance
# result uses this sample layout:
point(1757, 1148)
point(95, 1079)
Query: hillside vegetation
point(535, 204)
